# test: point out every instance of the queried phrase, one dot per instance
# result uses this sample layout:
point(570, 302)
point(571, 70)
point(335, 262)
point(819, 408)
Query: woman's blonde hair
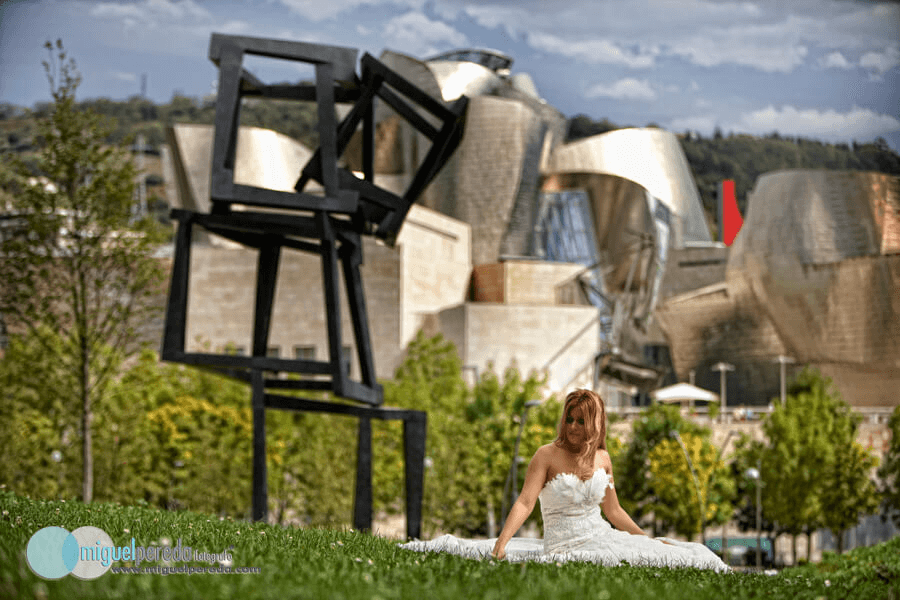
point(591, 405)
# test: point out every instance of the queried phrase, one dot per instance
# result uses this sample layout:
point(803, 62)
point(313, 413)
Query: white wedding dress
point(574, 529)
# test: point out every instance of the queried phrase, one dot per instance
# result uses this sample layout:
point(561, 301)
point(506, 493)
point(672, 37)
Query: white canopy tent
point(683, 392)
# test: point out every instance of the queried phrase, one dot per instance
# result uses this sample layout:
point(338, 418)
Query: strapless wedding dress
point(574, 529)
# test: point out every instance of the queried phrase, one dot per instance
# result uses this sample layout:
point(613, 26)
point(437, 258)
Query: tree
point(678, 498)
point(849, 492)
point(634, 481)
point(748, 454)
point(889, 472)
point(471, 435)
point(806, 446)
point(79, 268)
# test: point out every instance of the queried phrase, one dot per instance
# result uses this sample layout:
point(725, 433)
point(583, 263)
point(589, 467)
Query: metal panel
point(463, 78)
point(815, 248)
point(813, 274)
point(650, 157)
point(264, 159)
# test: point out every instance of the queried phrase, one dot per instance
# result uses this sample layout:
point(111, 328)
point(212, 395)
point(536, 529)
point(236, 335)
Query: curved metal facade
point(492, 180)
point(652, 158)
point(813, 274)
point(821, 251)
point(264, 158)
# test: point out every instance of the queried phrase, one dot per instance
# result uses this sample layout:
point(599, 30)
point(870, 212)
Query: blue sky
point(826, 69)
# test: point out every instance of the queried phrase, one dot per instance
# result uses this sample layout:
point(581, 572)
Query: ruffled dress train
point(575, 530)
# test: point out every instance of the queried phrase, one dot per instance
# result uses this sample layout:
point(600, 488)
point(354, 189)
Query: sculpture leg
point(414, 458)
point(260, 507)
point(362, 504)
point(176, 310)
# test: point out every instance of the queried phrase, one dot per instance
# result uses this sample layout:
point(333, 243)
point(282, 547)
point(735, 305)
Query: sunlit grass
point(318, 563)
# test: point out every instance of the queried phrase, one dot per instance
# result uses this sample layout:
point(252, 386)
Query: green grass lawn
point(315, 563)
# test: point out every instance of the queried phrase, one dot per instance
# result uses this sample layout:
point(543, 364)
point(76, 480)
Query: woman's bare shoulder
point(547, 450)
point(548, 453)
point(603, 459)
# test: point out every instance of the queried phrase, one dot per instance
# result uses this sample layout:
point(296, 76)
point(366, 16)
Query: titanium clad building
point(492, 180)
point(814, 274)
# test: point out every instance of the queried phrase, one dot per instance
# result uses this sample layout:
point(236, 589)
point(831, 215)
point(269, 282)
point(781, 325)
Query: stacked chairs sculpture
point(329, 224)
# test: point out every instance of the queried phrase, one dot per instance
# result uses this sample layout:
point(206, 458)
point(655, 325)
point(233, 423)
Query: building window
point(305, 352)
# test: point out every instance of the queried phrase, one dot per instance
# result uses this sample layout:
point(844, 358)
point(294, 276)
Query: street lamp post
point(784, 361)
point(754, 474)
point(510, 490)
point(722, 368)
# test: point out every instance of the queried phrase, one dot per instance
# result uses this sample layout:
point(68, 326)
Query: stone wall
point(222, 295)
point(559, 340)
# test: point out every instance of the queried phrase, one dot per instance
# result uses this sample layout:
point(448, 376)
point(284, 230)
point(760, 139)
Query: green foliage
point(178, 437)
point(316, 563)
point(849, 492)
point(38, 408)
point(678, 505)
point(748, 454)
point(471, 435)
point(813, 471)
point(78, 275)
point(634, 482)
point(138, 115)
point(866, 572)
point(889, 472)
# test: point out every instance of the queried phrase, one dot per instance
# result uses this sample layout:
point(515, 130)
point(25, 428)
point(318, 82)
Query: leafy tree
point(849, 492)
point(678, 504)
point(804, 450)
point(634, 481)
point(80, 268)
point(471, 435)
point(748, 454)
point(889, 472)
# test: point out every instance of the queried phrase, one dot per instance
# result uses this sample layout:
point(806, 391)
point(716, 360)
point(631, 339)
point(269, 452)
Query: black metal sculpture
point(330, 225)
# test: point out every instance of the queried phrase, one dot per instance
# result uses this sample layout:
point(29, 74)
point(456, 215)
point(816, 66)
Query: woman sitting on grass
point(573, 478)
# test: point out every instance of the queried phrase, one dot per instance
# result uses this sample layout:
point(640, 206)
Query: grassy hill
point(324, 563)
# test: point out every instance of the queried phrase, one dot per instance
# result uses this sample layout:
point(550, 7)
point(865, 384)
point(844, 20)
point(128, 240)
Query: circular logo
point(53, 552)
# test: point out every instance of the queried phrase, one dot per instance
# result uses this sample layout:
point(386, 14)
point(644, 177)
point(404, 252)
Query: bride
point(573, 479)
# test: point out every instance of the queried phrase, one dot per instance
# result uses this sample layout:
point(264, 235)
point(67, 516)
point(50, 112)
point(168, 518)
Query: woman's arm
point(534, 483)
point(614, 512)
point(616, 515)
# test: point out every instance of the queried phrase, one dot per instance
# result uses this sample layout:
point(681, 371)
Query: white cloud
point(151, 13)
point(829, 124)
point(880, 63)
point(770, 48)
point(598, 51)
point(184, 25)
point(624, 89)
point(416, 34)
point(835, 60)
point(773, 37)
point(130, 77)
point(489, 16)
point(317, 10)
